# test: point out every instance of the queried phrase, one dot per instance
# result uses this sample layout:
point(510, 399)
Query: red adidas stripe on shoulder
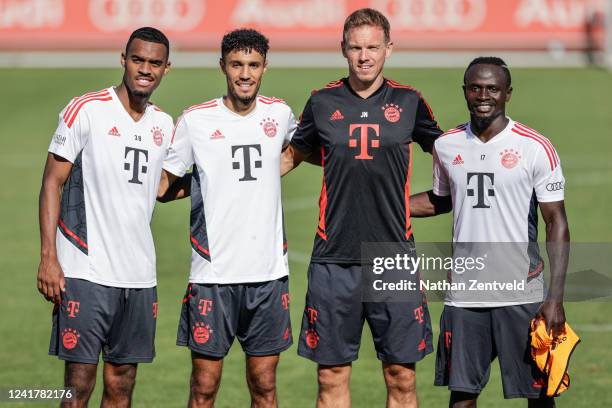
point(269, 99)
point(334, 84)
point(73, 110)
point(205, 105)
point(395, 84)
point(540, 136)
point(553, 159)
point(329, 85)
point(77, 99)
point(458, 129)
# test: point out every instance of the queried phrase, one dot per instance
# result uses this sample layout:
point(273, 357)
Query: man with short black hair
point(97, 198)
point(496, 172)
point(364, 126)
point(238, 283)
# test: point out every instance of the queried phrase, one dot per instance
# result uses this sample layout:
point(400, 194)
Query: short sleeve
point(71, 135)
point(291, 128)
point(180, 152)
point(426, 129)
point(549, 183)
point(306, 137)
point(441, 185)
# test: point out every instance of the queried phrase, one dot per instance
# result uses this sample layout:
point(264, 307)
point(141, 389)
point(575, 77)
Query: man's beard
point(484, 122)
point(245, 101)
point(141, 94)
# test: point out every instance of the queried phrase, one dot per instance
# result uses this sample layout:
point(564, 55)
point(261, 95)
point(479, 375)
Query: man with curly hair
point(238, 285)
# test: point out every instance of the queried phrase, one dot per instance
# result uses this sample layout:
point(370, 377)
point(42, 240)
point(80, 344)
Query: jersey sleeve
point(426, 129)
point(306, 138)
point(548, 180)
point(291, 128)
point(441, 185)
point(180, 152)
point(68, 141)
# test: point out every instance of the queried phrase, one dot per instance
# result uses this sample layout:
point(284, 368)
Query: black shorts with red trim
point(93, 318)
point(257, 313)
point(471, 338)
point(334, 316)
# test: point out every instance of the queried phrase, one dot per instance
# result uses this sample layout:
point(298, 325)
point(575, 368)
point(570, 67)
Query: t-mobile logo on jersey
point(246, 160)
point(135, 164)
point(480, 188)
point(363, 141)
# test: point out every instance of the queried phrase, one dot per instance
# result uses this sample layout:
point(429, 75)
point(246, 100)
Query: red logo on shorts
point(392, 112)
point(285, 300)
point(201, 333)
point(312, 314)
point(539, 383)
point(205, 306)
point(287, 334)
point(418, 314)
point(70, 338)
point(73, 308)
point(312, 338)
point(269, 126)
point(155, 310)
point(447, 339)
point(422, 345)
point(158, 135)
point(509, 158)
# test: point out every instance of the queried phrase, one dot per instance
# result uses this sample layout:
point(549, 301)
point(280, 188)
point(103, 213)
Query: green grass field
point(571, 107)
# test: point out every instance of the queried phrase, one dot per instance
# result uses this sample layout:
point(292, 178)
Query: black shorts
point(257, 313)
point(471, 338)
point(334, 316)
point(93, 318)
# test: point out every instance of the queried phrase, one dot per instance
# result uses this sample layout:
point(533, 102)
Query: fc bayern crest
point(392, 112)
point(269, 126)
point(312, 338)
point(70, 338)
point(158, 135)
point(509, 158)
point(201, 333)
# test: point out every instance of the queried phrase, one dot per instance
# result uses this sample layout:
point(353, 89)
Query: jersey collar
point(500, 136)
point(120, 106)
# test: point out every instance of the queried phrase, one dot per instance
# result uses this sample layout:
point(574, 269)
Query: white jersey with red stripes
point(104, 233)
point(495, 186)
point(237, 232)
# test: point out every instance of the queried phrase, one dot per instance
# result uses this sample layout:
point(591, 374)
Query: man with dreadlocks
point(238, 285)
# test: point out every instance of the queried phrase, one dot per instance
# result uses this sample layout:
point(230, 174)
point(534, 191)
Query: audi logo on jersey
point(556, 186)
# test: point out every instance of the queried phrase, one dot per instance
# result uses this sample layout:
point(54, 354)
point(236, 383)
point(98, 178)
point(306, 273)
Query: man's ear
point(389, 49)
point(509, 94)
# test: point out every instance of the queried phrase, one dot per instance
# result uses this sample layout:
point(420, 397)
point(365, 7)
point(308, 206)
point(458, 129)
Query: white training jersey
point(104, 233)
point(237, 231)
point(495, 189)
